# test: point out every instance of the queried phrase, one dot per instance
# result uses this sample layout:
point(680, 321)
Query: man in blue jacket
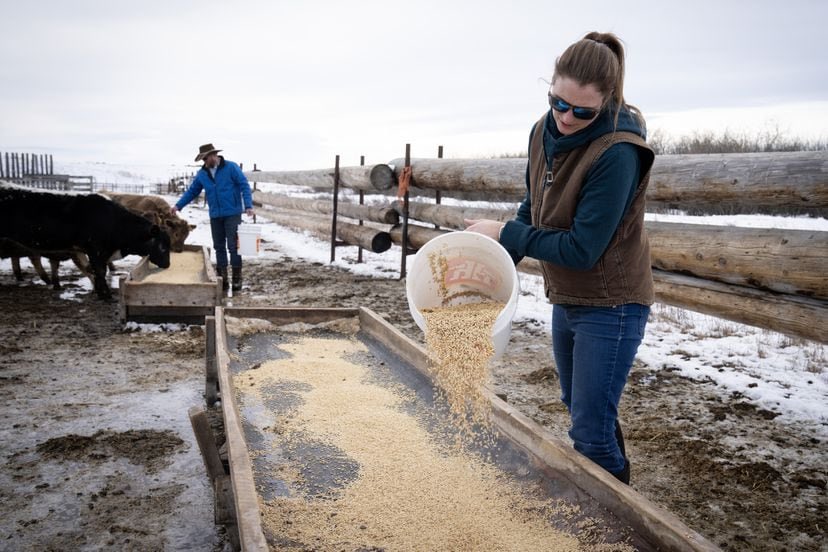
point(228, 195)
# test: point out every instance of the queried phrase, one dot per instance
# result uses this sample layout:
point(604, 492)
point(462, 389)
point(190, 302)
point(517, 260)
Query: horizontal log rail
point(769, 183)
point(418, 236)
point(795, 316)
point(372, 239)
point(799, 317)
point(505, 176)
point(383, 214)
point(785, 261)
point(368, 178)
point(451, 216)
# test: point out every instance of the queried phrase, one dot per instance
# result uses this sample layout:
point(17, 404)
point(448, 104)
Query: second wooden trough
point(187, 291)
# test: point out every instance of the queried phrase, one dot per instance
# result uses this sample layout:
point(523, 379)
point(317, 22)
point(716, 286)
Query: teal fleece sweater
point(605, 197)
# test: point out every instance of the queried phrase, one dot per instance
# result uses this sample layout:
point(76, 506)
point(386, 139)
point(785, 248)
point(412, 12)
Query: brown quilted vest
point(623, 274)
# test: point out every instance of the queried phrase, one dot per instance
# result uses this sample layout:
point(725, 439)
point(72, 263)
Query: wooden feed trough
point(187, 291)
point(264, 446)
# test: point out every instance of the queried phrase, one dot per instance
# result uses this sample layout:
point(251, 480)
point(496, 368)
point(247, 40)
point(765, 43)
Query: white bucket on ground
point(249, 239)
point(478, 269)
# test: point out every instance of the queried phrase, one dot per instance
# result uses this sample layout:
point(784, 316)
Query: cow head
point(159, 247)
point(178, 230)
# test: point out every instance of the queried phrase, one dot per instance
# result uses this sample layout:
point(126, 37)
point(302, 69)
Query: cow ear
point(192, 227)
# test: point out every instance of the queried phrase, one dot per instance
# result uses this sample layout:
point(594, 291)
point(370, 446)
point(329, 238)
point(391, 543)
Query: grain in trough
point(335, 440)
point(187, 291)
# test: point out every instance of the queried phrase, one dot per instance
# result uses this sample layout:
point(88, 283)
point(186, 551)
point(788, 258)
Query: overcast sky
point(289, 84)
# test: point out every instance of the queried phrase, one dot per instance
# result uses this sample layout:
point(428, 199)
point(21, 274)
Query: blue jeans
point(594, 348)
point(225, 235)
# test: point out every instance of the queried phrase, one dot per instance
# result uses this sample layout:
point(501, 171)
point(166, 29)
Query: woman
point(583, 218)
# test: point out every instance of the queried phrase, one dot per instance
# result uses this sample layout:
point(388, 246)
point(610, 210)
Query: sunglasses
point(584, 113)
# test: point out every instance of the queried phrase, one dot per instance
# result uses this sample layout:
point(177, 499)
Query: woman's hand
point(486, 227)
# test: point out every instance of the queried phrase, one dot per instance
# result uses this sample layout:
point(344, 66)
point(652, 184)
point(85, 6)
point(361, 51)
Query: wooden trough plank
point(649, 520)
point(246, 499)
point(652, 522)
point(398, 343)
point(210, 368)
point(206, 442)
point(290, 315)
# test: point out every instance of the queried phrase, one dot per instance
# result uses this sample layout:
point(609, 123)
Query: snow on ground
point(773, 371)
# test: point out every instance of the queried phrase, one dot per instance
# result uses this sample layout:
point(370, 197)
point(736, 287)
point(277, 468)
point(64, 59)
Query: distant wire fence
point(37, 171)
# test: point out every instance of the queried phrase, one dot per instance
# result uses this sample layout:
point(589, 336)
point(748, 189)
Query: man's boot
point(237, 278)
point(225, 282)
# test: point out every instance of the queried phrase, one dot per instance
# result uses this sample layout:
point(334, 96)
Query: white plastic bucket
point(478, 269)
point(250, 237)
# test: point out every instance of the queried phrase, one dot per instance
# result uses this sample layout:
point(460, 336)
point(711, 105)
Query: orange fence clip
point(405, 180)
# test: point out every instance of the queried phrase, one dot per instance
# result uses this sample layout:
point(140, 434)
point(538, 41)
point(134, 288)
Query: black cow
point(89, 223)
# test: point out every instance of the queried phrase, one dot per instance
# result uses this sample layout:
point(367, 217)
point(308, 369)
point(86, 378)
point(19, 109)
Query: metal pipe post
point(335, 204)
point(405, 217)
point(361, 202)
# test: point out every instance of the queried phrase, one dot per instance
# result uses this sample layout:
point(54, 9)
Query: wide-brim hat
point(205, 150)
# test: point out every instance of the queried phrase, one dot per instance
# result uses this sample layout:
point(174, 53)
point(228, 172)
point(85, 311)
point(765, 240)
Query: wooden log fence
point(771, 278)
point(385, 214)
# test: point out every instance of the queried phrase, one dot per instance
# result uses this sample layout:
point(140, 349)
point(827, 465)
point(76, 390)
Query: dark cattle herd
point(61, 226)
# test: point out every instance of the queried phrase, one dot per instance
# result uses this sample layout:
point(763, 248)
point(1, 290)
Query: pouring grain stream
point(459, 339)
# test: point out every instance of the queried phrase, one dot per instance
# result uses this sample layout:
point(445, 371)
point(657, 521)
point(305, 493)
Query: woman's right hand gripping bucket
point(476, 269)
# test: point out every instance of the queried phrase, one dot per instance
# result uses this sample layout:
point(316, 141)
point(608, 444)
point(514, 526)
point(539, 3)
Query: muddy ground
point(98, 452)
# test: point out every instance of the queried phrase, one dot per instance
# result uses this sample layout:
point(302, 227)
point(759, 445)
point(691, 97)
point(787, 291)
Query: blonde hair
point(598, 59)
